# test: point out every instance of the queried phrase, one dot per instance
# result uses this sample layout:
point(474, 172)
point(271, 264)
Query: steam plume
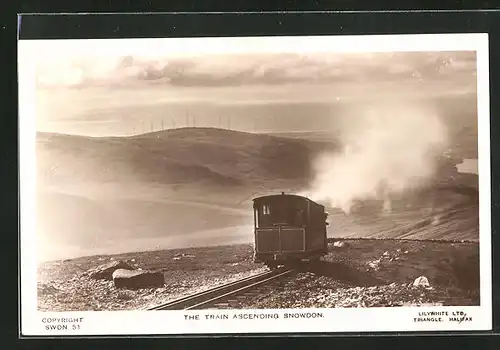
point(386, 150)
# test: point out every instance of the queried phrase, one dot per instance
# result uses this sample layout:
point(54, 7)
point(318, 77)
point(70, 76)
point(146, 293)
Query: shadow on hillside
point(343, 273)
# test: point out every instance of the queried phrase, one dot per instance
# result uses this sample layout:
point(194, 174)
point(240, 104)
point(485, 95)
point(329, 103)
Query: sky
point(115, 87)
point(219, 69)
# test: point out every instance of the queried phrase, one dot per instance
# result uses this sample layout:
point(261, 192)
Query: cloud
point(251, 69)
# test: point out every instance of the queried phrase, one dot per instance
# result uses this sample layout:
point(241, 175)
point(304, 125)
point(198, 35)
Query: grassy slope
point(188, 155)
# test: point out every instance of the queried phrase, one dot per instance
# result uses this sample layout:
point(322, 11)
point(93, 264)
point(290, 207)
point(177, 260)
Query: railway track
point(222, 296)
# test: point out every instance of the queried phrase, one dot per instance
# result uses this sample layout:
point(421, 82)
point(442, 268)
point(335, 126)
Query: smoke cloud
point(386, 150)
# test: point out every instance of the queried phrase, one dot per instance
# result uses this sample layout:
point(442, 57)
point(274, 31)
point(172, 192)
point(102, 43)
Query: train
point(289, 229)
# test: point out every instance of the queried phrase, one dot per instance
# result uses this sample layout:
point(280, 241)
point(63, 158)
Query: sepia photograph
point(256, 178)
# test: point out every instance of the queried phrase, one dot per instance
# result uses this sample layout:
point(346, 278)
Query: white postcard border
point(174, 322)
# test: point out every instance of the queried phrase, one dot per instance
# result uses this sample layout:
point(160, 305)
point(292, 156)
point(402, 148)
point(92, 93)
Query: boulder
point(421, 281)
point(339, 244)
point(136, 279)
point(105, 271)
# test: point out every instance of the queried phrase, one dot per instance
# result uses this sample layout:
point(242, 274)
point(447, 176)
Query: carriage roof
point(283, 195)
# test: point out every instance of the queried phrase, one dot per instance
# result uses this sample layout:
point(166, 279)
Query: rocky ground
point(355, 273)
point(383, 273)
point(67, 286)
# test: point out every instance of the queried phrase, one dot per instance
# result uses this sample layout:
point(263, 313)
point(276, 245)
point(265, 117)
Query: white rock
point(421, 281)
point(374, 264)
point(338, 244)
point(105, 271)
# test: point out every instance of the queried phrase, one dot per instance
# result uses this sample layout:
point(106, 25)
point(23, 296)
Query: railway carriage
point(288, 229)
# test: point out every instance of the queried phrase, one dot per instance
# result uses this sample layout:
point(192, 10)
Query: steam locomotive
point(289, 229)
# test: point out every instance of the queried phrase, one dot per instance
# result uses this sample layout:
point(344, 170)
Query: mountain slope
point(188, 155)
point(182, 184)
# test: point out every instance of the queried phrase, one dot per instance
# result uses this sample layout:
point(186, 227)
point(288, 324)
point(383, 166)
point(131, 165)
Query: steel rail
point(220, 292)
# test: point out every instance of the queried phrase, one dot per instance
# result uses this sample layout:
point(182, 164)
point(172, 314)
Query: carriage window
point(266, 209)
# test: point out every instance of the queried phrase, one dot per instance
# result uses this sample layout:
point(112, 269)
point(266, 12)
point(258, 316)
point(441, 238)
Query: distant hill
point(188, 155)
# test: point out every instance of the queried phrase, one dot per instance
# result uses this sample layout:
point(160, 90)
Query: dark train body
point(288, 229)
